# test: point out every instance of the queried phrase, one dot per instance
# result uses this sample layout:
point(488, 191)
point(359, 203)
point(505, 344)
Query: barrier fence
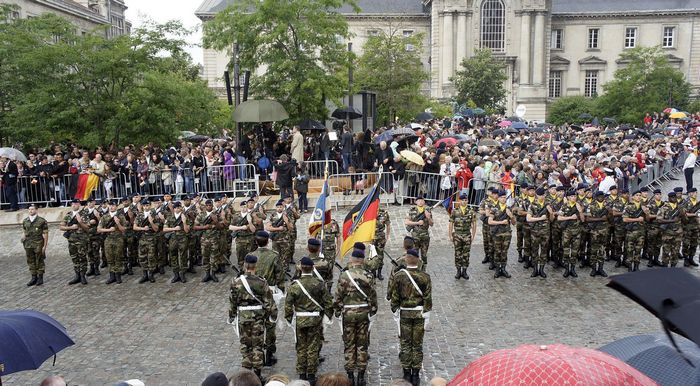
point(317, 169)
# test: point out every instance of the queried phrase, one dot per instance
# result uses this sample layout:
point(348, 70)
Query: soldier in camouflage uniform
point(176, 230)
point(162, 210)
point(653, 237)
point(408, 243)
point(618, 205)
point(270, 268)
point(279, 227)
point(307, 304)
point(538, 217)
point(189, 209)
point(418, 222)
point(294, 215)
point(568, 219)
point(223, 214)
point(522, 230)
point(633, 217)
point(147, 225)
point(93, 213)
point(691, 230)
point(251, 306)
point(34, 239)
point(583, 199)
point(382, 233)
point(114, 225)
point(500, 219)
point(555, 248)
point(671, 233)
point(356, 304)
point(596, 219)
point(206, 222)
point(411, 303)
point(484, 207)
point(242, 224)
point(76, 226)
point(461, 231)
point(331, 240)
point(130, 246)
point(104, 209)
point(323, 268)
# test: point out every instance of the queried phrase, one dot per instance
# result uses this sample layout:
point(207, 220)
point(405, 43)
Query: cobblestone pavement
point(176, 334)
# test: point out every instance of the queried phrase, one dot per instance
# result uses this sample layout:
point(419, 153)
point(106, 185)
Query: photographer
point(286, 171)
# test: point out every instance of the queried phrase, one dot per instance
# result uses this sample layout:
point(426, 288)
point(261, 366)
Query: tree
point(568, 109)
point(391, 66)
point(481, 80)
point(646, 83)
point(296, 42)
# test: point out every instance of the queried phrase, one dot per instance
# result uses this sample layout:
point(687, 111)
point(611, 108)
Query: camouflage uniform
point(131, 240)
point(323, 269)
point(251, 312)
point(270, 268)
point(585, 239)
point(355, 306)
point(634, 231)
point(539, 232)
point(114, 242)
point(147, 242)
point(555, 231)
point(570, 233)
point(34, 232)
point(376, 263)
point(411, 304)
point(192, 236)
point(691, 230)
point(209, 242)
point(671, 233)
point(94, 238)
point(331, 232)
point(401, 262)
point(309, 319)
point(598, 230)
point(244, 238)
point(161, 241)
point(617, 237)
point(654, 232)
point(484, 207)
point(500, 235)
point(462, 220)
point(224, 237)
point(177, 243)
point(78, 242)
point(281, 240)
point(420, 233)
point(522, 228)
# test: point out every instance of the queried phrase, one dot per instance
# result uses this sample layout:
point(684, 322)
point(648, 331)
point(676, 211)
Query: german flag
point(87, 183)
point(360, 224)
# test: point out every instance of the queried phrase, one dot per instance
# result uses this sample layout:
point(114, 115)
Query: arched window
point(493, 25)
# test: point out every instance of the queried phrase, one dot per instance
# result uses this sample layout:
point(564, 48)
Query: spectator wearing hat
point(461, 231)
point(308, 306)
point(608, 182)
point(113, 225)
point(691, 229)
point(251, 305)
point(596, 217)
point(671, 231)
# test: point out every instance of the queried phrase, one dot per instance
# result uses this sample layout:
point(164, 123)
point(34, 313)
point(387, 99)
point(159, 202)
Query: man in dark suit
point(346, 144)
point(9, 181)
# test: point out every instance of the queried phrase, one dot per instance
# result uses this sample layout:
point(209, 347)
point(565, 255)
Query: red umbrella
point(447, 141)
point(555, 364)
point(504, 123)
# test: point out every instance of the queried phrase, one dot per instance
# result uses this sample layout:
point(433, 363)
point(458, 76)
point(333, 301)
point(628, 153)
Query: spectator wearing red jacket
point(463, 176)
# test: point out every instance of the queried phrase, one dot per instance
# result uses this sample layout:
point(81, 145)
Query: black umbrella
point(623, 127)
point(564, 145)
point(515, 119)
point(496, 133)
point(310, 124)
point(535, 129)
point(511, 130)
point(576, 127)
point(609, 120)
point(671, 294)
point(424, 116)
point(197, 138)
point(595, 122)
point(346, 112)
point(642, 133)
point(585, 116)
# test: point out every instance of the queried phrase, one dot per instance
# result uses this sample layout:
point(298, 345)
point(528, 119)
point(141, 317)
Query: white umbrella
point(415, 126)
point(12, 153)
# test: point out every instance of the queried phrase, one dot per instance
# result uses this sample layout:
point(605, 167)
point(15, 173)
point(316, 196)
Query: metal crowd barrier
point(317, 169)
point(350, 188)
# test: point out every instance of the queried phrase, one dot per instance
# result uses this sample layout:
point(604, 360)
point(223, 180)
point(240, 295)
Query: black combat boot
point(573, 271)
point(176, 277)
point(76, 278)
point(535, 271)
point(144, 277)
point(40, 279)
point(520, 257)
point(129, 269)
point(258, 373)
point(651, 262)
point(498, 273)
point(351, 377)
point(567, 270)
point(112, 278)
point(594, 270)
point(492, 266)
point(407, 375)
point(104, 263)
point(486, 260)
point(151, 276)
point(635, 266)
point(311, 378)
point(206, 277)
point(691, 261)
point(83, 279)
point(542, 273)
point(182, 277)
point(97, 269)
point(415, 377)
point(270, 359)
point(91, 271)
point(459, 273)
point(33, 281)
point(618, 263)
point(190, 267)
point(504, 273)
point(674, 264)
point(213, 277)
point(601, 271)
point(125, 271)
point(361, 378)
point(222, 268)
point(379, 274)
point(528, 263)
point(119, 277)
point(161, 269)
point(465, 275)
point(302, 377)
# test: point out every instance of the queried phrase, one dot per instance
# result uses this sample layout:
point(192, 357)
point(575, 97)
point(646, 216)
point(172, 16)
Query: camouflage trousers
point(555, 241)
point(411, 342)
point(94, 249)
point(617, 240)
point(653, 242)
point(147, 252)
point(571, 244)
point(177, 249)
point(285, 249)
point(422, 244)
point(356, 343)
point(114, 247)
point(131, 248)
point(599, 238)
point(634, 240)
point(377, 262)
point(463, 245)
point(584, 243)
point(78, 248)
point(252, 341)
point(671, 240)
point(193, 246)
point(161, 250)
point(270, 336)
point(520, 236)
point(690, 240)
point(500, 243)
point(308, 347)
point(35, 256)
point(488, 248)
point(244, 246)
point(539, 237)
point(210, 246)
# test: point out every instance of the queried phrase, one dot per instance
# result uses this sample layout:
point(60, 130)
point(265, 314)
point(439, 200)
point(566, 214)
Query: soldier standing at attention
point(484, 207)
point(596, 217)
point(568, 218)
point(411, 303)
point(130, 245)
point(207, 223)
point(243, 226)
point(499, 220)
point(279, 226)
point(583, 199)
point(104, 209)
point(520, 211)
point(93, 213)
point(147, 224)
point(114, 224)
point(323, 268)
point(538, 218)
point(294, 215)
point(670, 219)
point(692, 228)
point(461, 231)
point(189, 209)
point(408, 243)
point(223, 215)
point(331, 240)
point(654, 229)
point(251, 307)
point(419, 221)
point(305, 307)
point(356, 304)
point(75, 226)
point(160, 211)
point(176, 229)
point(34, 240)
point(633, 217)
point(270, 268)
point(555, 247)
point(381, 235)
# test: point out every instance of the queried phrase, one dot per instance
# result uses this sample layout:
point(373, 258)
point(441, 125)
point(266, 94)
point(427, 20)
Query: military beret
point(531, 187)
point(315, 242)
point(408, 238)
point(307, 261)
point(570, 193)
point(358, 254)
point(598, 193)
point(167, 194)
point(145, 202)
point(114, 202)
point(137, 194)
point(581, 186)
point(561, 188)
point(678, 189)
point(614, 187)
point(104, 201)
point(177, 204)
point(501, 193)
point(636, 192)
point(208, 202)
point(249, 200)
point(412, 252)
point(672, 194)
point(463, 196)
point(657, 191)
point(491, 189)
point(692, 190)
point(187, 197)
point(243, 203)
point(280, 202)
point(92, 199)
point(644, 189)
point(218, 197)
point(156, 198)
point(124, 199)
point(251, 259)
point(624, 191)
point(552, 186)
point(262, 234)
point(360, 246)
point(540, 191)
point(75, 201)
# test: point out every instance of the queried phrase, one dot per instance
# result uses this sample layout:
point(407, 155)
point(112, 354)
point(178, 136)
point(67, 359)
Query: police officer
point(147, 224)
point(461, 232)
point(34, 239)
point(356, 304)
point(411, 303)
point(419, 221)
point(76, 226)
point(538, 217)
point(114, 224)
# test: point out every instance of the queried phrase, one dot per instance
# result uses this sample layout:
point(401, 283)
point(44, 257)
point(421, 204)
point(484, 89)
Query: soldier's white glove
point(426, 319)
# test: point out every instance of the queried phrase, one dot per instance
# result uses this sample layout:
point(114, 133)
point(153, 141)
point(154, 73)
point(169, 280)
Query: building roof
point(626, 6)
point(211, 7)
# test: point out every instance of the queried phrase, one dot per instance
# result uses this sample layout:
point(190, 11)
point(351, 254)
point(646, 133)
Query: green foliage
point(395, 73)
point(297, 42)
point(693, 107)
point(481, 79)
point(568, 110)
point(440, 109)
point(96, 91)
point(643, 85)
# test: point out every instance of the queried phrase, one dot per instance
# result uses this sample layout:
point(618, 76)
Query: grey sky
point(163, 10)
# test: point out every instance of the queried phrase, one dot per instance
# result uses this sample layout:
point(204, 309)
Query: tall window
point(591, 86)
point(557, 39)
point(493, 25)
point(630, 37)
point(555, 84)
point(669, 37)
point(593, 37)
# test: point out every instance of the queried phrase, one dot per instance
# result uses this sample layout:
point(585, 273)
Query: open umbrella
point(555, 364)
point(515, 118)
point(28, 339)
point(576, 127)
point(609, 120)
point(585, 116)
point(260, 110)
point(12, 153)
point(642, 133)
point(595, 122)
point(670, 110)
point(197, 138)
point(386, 136)
point(591, 129)
point(655, 356)
point(459, 137)
point(479, 111)
point(446, 141)
point(677, 115)
point(511, 130)
point(489, 142)
point(658, 136)
point(310, 124)
point(416, 126)
point(466, 112)
point(412, 157)
point(504, 123)
point(519, 125)
point(402, 131)
point(496, 133)
point(346, 112)
point(535, 129)
point(424, 116)
point(545, 124)
point(186, 134)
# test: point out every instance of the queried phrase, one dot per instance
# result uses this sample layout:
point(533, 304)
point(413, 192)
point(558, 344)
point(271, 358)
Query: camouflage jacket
point(418, 230)
point(462, 220)
point(484, 208)
point(382, 222)
point(348, 297)
point(691, 207)
point(142, 221)
point(34, 231)
point(205, 219)
point(568, 210)
point(297, 301)
point(69, 217)
point(269, 266)
point(330, 236)
point(617, 204)
point(238, 220)
point(323, 266)
point(240, 298)
point(633, 211)
point(284, 234)
point(92, 216)
point(499, 213)
point(405, 296)
point(107, 221)
point(671, 212)
point(595, 209)
point(537, 209)
point(172, 222)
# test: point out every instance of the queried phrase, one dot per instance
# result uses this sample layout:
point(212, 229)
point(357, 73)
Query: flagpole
point(445, 199)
